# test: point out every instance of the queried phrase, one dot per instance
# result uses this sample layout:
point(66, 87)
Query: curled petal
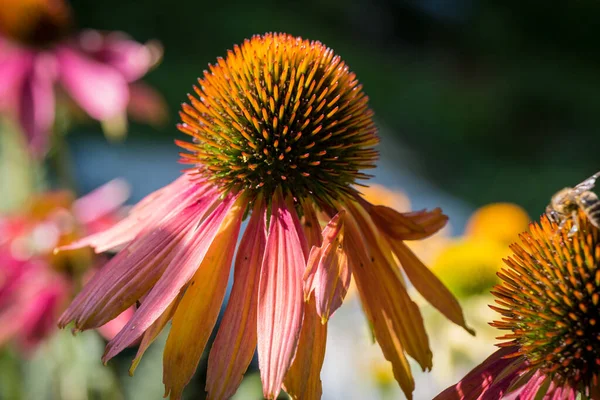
point(182, 267)
point(280, 300)
point(430, 287)
point(198, 310)
point(97, 88)
point(327, 272)
point(406, 226)
point(235, 342)
point(303, 380)
point(481, 379)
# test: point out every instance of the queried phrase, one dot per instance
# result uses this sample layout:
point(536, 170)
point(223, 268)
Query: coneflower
point(281, 132)
point(548, 300)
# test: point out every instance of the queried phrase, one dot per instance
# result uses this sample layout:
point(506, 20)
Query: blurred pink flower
point(95, 69)
point(36, 284)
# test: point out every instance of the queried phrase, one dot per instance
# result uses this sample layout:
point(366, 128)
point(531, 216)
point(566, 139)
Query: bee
point(565, 203)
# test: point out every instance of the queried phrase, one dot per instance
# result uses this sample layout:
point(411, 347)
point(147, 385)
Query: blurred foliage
point(497, 98)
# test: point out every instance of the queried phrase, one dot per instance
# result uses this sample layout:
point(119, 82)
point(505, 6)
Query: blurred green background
point(496, 100)
point(489, 101)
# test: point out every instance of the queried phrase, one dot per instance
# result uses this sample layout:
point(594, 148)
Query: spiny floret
point(549, 300)
point(280, 112)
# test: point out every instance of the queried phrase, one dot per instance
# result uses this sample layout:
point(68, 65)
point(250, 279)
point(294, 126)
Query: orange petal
point(235, 343)
point(312, 228)
point(429, 285)
point(303, 379)
point(327, 272)
point(280, 300)
point(197, 312)
point(406, 226)
point(385, 282)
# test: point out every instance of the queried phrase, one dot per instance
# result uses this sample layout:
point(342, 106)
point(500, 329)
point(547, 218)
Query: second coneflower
point(548, 301)
point(281, 131)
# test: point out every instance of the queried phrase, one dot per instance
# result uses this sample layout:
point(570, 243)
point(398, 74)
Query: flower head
point(281, 131)
point(97, 70)
point(548, 300)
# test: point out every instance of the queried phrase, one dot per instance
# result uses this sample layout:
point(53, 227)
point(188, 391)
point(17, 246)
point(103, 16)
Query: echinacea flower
point(281, 131)
point(548, 300)
point(35, 284)
point(99, 71)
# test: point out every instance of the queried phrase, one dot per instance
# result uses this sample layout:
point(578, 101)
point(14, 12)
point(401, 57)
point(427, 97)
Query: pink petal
point(481, 379)
point(148, 213)
point(132, 272)
point(99, 89)
point(188, 257)
point(328, 274)
point(36, 105)
point(197, 313)
point(15, 65)
point(235, 343)
point(280, 301)
point(132, 59)
point(147, 105)
point(533, 385)
point(153, 331)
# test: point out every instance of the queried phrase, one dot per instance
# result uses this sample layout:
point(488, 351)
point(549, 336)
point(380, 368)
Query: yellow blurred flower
point(499, 222)
point(468, 265)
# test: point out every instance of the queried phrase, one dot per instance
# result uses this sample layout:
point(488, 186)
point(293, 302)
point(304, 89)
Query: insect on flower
point(281, 132)
point(565, 203)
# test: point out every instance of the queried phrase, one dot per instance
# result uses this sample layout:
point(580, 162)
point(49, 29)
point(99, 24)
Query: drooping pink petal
point(198, 310)
point(481, 379)
point(98, 89)
point(327, 272)
point(148, 213)
point(134, 270)
point(36, 106)
point(189, 255)
point(280, 301)
point(153, 331)
point(235, 342)
point(430, 287)
point(303, 381)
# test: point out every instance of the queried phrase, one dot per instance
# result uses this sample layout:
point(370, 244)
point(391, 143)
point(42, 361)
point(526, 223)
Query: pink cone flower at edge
point(548, 301)
point(95, 69)
point(281, 131)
